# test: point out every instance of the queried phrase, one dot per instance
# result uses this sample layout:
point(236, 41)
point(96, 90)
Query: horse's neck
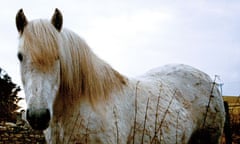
point(84, 74)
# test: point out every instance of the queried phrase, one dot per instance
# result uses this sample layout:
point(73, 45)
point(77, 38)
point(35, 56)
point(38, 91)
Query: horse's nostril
point(38, 118)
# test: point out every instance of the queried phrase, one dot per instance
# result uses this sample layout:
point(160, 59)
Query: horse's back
point(198, 94)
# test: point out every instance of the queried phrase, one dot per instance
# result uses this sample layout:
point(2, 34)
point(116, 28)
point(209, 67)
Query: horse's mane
point(82, 73)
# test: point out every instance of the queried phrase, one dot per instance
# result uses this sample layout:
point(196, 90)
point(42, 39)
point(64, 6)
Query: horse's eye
point(20, 56)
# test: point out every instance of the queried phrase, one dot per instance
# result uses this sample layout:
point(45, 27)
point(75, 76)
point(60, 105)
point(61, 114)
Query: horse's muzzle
point(39, 118)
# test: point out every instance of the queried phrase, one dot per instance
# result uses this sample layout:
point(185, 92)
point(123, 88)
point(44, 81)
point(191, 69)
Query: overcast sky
point(137, 35)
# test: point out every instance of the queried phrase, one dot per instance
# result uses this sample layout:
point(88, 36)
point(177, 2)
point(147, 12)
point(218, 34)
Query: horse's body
point(78, 98)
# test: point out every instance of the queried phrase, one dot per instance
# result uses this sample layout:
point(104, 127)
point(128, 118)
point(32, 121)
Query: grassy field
point(234, 108)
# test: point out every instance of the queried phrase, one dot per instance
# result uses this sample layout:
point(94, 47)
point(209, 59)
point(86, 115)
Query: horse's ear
point(21, 21)
point(57, 20)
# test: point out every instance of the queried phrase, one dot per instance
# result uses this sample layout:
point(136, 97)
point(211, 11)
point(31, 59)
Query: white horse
point(75, 97)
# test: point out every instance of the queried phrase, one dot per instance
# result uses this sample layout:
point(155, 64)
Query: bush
point(8, 98)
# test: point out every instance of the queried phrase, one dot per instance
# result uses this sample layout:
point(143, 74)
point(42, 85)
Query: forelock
point(41, 43)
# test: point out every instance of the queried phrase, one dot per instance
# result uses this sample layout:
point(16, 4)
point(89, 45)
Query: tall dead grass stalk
point(177, 127)
point(135, 115)
point(161, 123)
point(145, 119)
point(209, 101)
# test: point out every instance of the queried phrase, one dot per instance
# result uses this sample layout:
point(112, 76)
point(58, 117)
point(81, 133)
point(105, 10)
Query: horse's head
point(40, 66)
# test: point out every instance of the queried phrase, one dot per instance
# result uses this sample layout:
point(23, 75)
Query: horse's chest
point(82, 130)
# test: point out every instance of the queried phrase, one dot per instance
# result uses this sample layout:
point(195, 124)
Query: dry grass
point(234, 113)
